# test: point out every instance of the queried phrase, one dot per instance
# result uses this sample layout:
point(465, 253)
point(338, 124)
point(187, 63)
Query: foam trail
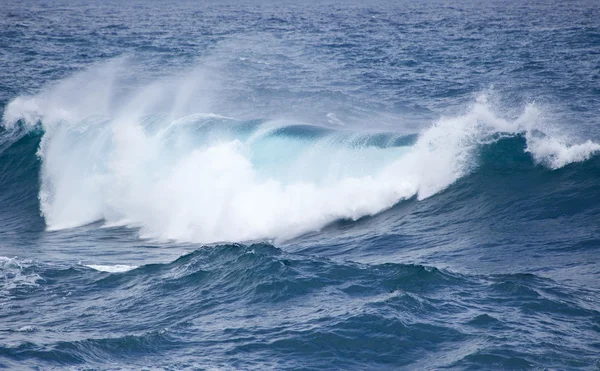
point(208, 178)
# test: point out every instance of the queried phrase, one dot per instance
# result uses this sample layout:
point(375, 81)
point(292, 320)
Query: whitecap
point(118, 268)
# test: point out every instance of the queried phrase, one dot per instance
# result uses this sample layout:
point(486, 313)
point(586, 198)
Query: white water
point(118, 268)
point(118, 160)
point(13, 274)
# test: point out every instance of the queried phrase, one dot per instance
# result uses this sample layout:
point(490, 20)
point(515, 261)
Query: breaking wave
point(141, 159)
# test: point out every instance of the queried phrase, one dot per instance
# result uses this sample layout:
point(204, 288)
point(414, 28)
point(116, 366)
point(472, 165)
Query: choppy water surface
point(261, 185)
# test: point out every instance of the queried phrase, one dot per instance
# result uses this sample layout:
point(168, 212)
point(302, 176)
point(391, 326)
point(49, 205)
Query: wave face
point(208, 178)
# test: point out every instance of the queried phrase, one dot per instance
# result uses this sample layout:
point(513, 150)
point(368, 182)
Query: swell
point(272, 304)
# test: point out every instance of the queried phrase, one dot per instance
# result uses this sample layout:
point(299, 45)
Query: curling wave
point(209, 178)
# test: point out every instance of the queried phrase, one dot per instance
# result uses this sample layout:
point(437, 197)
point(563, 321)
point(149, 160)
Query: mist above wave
point(146, 158)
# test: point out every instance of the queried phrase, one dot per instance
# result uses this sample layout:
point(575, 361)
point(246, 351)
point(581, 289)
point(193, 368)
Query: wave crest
point(209, 178)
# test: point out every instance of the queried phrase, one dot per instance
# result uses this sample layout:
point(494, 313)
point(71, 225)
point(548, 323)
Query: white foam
point(555, 153)
point(173, 187)
point(28, 328)
point(118, 268)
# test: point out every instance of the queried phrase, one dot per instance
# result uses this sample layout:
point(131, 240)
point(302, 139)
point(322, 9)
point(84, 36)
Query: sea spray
point(208, 178)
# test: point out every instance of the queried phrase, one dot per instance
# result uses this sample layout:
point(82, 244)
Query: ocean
point(299, 185)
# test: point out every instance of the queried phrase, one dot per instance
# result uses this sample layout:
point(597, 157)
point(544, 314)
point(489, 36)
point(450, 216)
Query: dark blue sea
point(299, 185)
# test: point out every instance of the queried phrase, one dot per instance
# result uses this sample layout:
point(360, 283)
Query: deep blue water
point(299, 185)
